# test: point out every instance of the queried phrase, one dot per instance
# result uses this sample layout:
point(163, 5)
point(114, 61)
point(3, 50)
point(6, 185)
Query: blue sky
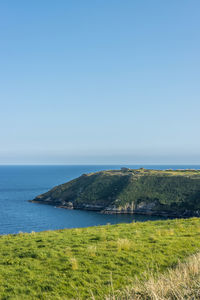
point(99, 81)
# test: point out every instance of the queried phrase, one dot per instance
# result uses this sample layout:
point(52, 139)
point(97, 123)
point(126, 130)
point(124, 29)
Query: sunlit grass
point(79, 263)
point(123, 244)
point(182, 282)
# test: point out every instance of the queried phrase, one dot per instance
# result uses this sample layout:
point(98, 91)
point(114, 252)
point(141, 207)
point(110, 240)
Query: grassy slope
point(68, 264)
point(172, 190)
point(182, 282)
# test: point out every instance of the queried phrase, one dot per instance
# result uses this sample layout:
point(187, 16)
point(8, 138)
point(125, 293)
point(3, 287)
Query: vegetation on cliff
point(168, 192)
point(79, 263)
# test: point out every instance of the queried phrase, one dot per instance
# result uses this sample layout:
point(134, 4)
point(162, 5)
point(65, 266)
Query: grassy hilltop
point(169, 192)
point(79, 263)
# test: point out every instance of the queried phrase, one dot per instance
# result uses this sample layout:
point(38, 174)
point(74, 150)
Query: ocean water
point(18, 184)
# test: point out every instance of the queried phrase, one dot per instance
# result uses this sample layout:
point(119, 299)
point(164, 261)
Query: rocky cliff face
point(152, 192)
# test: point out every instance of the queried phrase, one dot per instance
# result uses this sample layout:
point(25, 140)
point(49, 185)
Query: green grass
point(174, 192)
point(76, 263)
point(182, 282)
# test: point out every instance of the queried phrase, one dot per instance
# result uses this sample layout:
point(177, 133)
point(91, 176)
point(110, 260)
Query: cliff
point(174, 193)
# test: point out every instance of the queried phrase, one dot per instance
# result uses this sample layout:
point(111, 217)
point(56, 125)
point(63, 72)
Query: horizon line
point(95, 164)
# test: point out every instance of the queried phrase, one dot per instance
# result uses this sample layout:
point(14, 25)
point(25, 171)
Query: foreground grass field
point(180, 283)
point(90, 262)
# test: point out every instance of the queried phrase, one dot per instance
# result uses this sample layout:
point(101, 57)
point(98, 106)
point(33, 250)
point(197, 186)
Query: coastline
point(184, 214)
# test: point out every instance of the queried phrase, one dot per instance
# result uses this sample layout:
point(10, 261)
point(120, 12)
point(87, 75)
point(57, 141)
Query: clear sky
point(99, 81)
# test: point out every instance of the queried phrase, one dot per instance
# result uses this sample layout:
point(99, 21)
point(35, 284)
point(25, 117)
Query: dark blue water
point(18, 184)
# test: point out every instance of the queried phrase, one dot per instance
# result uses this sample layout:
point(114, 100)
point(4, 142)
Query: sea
point(18, 184)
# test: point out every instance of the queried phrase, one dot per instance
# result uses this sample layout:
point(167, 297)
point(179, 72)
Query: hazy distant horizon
point(106, 161)
point(91, 164)
point(113, 158)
